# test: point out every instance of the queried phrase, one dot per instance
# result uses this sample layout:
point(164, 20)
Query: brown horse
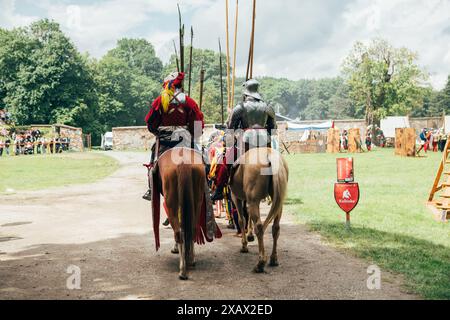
point(182, 182)
point(261, 173)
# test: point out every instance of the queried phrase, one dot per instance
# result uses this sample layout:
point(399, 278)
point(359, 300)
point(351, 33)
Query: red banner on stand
point(345, 171)
point(346, 195)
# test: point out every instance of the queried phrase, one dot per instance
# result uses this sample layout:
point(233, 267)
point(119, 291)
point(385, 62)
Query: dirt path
point(105, 229)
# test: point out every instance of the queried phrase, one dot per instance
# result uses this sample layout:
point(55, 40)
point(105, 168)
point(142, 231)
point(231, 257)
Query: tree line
point(45, 79)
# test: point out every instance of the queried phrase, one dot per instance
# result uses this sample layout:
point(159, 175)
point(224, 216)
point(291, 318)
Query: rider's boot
point(218, 194)
point(148, 195)
point(221, 182)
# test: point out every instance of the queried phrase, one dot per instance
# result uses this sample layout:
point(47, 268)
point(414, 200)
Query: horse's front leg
point(250, 236)
point(242, 223)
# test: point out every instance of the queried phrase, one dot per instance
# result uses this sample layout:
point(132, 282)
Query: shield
point(346, 195)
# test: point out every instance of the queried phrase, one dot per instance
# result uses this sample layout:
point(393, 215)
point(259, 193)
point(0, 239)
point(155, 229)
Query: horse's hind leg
point(242, 223)
point(179, 242)
point(253, 210)
point(182, 250)
point(275, 235)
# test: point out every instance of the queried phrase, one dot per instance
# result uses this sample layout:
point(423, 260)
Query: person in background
point(435, 140)
point(17, 144)
point(7, 145)
point(7, 116)
point(2, 145)
point(424, 141)
point(369, 142)
point(345, 140)
point(442, 140)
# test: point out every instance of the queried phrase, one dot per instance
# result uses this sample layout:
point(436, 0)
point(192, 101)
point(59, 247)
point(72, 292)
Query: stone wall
point(132, 138)
point(431, 122)
point(139, 138)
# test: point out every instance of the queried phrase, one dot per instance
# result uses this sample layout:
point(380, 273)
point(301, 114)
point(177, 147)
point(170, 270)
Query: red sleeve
point(153, 118)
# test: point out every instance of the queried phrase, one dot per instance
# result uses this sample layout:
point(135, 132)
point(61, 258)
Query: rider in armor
point(257, 119)
point(173, 114)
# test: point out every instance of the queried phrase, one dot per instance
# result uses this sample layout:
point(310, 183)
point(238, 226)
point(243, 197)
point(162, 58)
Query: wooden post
point(333, 141)
point(354, 140)
point(405, 142)
point(347, 221)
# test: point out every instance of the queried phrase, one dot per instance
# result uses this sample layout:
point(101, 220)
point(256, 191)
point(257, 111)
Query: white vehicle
point(107, 141)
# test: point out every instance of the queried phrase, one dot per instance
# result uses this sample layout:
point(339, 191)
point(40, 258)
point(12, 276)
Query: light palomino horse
point(183, 178)
point(262, 172)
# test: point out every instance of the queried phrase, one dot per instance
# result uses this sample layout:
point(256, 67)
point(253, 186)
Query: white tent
point(389, 125)
point(447, 124)
point(310, 127)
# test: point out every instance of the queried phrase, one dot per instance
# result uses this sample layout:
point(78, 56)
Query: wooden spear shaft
point(176, 56)
point(202, 80)
point(181, 40)
point(253, 39)
point(228, 57)
point(249, 73)
point(234, 57)
point(221, 81)
point(190, 61)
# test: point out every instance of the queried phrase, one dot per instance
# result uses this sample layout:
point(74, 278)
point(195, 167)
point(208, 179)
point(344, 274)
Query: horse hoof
point(183, 278)
point(244, 250)
point(250, 238)
point(274, 263)
point(175, 251)
point(260, 267)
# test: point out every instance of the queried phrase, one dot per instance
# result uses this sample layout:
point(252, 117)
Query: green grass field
point(44, 171)
point(391, 226)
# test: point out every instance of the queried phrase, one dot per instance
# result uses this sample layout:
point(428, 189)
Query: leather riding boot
point(217, 195)
point(148, 195)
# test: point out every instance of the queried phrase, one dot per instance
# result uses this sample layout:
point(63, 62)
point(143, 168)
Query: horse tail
point(280, 176)
point(186, 205)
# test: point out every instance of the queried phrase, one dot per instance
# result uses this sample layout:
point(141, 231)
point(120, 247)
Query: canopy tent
point(309, 127)
point(389, 125)
point(447, 124)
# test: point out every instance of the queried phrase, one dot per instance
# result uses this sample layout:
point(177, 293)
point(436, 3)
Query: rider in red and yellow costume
point(173, 110)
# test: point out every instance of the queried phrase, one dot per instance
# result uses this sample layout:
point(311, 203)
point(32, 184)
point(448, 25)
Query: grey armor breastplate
point(256, 113)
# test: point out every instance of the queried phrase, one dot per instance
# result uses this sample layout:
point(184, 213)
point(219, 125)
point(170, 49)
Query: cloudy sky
point(294, 38)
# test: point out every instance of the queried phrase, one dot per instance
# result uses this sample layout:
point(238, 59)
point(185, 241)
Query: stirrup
point(148, 195)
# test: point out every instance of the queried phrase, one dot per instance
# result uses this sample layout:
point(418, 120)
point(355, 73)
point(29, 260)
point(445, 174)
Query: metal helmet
point(175, 77)
point(251, 88)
